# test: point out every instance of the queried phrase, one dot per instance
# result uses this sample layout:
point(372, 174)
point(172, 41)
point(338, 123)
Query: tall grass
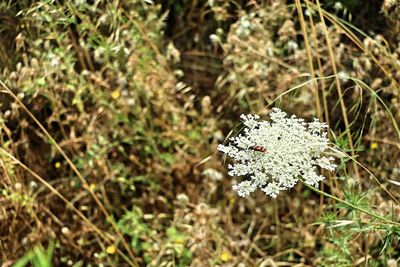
point(111, 112)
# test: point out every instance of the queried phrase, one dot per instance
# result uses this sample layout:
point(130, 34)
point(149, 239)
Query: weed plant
point(111, 113)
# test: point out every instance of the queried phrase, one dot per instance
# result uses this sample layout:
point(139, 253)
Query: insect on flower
point(259, 148)
point(275, 154)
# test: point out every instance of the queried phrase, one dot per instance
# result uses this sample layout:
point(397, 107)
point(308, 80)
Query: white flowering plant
point(275, 154)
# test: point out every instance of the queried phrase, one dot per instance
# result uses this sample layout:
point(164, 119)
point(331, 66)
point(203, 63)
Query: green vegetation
point(111, 113)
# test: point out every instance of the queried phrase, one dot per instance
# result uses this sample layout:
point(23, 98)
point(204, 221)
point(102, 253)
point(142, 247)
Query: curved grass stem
point(108, 216)
point(355, 207)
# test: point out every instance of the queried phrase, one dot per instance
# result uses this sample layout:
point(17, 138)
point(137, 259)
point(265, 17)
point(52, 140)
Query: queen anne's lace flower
point(273, 155)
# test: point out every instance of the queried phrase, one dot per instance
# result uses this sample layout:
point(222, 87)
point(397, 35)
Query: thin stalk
point(86, 186)
point(324, 94)
point(338, 150)
point(314, 85)
point(105, 236)
point(346, 27)
point(374, 215)
point(321, 72)
point(338, 86)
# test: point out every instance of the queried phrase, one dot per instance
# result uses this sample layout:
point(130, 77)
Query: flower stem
point(377, 216)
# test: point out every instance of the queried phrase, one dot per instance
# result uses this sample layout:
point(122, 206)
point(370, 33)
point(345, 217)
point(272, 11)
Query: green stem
point(377, 216)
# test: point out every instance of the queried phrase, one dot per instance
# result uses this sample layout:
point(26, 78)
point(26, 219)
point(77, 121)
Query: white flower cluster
point(273, 155)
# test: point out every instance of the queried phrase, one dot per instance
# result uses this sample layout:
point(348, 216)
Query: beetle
point(259, 149)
